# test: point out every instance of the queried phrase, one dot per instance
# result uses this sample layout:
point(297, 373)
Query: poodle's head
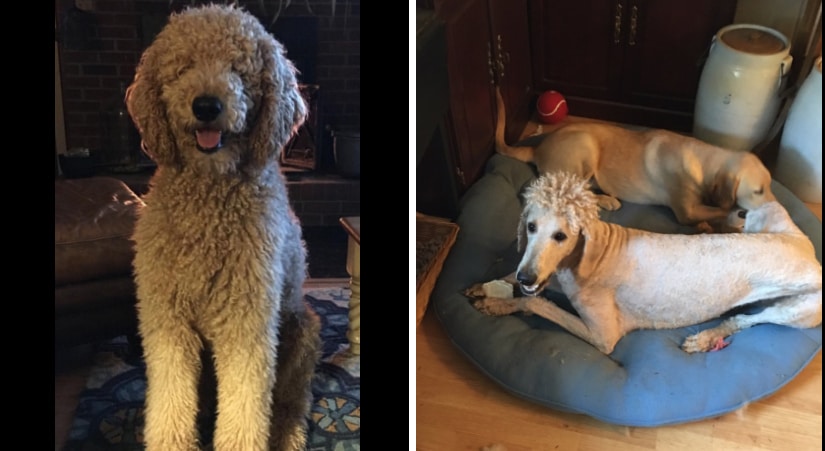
point(215, 92)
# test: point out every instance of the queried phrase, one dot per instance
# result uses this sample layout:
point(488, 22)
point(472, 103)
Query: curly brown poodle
point(220, 260)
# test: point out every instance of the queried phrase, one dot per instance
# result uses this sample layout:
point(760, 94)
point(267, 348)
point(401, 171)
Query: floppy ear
point(146, 108)
point(522, 234)
point(590, 244)
point(282, 108)
point(723, 191)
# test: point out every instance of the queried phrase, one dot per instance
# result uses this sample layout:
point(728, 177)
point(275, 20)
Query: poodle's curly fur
point(220, 261)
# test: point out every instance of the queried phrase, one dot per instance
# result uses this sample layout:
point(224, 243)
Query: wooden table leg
point(354, 270)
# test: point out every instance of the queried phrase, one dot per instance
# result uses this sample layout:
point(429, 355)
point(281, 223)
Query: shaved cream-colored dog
point(620, 279)
point(699, 182)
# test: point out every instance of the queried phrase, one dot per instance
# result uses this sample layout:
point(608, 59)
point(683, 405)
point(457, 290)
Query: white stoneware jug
point(799, 163)
point(738, 96)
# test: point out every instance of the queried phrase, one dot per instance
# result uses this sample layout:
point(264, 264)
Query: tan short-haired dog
point(698, 181)
point(620, 279)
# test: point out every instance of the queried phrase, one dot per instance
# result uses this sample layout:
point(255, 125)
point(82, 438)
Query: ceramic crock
point(799, 162)
point(737, 99)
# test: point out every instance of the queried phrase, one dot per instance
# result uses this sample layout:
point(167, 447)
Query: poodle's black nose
point(207, 108)
point(526, 278)
point(742, 213)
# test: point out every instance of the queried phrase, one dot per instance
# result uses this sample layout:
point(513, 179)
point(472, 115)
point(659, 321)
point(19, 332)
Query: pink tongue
point(208, 139)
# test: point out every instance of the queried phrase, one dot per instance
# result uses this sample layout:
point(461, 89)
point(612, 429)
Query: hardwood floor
point(460, 408)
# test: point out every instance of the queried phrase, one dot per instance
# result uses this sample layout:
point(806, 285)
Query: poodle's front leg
point(173, 365)
point(245, 354)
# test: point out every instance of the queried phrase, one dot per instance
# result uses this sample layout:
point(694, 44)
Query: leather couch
point(94, 294)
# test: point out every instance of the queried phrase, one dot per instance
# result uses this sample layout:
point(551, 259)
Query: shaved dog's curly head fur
point(566, 194)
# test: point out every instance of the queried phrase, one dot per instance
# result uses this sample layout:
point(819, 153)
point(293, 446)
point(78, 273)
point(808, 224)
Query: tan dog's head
point(743, 181)
point(557, 209)
point(215, 92)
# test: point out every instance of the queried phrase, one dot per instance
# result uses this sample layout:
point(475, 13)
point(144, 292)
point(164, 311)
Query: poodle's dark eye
point(559, 236)
point(531, 227)
point(759, 191)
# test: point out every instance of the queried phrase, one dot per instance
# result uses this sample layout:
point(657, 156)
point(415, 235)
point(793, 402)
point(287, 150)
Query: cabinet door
point(511, 46)
point(472, 107)
point(666, 42)
point(577, 46)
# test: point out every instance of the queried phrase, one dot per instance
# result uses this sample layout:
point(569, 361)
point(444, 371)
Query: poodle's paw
point(608, 202)
point(705, 341)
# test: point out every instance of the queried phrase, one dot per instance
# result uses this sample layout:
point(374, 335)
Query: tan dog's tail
point(521, 153)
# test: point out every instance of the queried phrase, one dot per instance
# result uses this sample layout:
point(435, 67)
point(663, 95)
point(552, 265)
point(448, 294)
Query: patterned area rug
point(109, 415)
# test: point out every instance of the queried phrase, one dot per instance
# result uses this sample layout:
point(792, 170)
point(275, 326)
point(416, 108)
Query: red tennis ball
point(552, 107)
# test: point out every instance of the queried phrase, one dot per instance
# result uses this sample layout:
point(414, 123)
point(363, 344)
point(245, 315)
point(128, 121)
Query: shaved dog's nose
point(207, 108)
point(526, 278)
point(742, 213)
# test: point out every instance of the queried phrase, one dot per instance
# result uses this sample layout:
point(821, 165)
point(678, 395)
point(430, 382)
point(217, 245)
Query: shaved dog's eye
point(531, 227)
point(759, 191)
point(559, 236)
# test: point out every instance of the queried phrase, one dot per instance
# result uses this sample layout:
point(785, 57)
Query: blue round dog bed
point(648, 380)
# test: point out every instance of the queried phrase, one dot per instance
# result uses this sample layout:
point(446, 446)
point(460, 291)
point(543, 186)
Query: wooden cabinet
point(487, 43)
point(632, 61)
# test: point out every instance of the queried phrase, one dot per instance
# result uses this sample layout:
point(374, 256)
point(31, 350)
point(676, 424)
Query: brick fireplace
point(100, 42)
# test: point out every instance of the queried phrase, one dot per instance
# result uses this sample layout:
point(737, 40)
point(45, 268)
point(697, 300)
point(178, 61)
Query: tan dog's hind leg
point(173, 368)
point(244, 363)
point(801, 311)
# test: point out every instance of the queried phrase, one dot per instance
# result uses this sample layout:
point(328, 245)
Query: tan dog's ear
point(282, 109)
point(143, 101)
point(723, 191)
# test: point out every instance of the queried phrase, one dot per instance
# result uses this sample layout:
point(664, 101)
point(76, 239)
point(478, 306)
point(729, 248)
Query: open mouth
point(532, 290)
point(208, 140)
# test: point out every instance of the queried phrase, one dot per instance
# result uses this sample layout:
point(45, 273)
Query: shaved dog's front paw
point(492, 289)
point(705, 341)
point(483, 306)
point(495, 306)
point(476, 291)
point(608, 202)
